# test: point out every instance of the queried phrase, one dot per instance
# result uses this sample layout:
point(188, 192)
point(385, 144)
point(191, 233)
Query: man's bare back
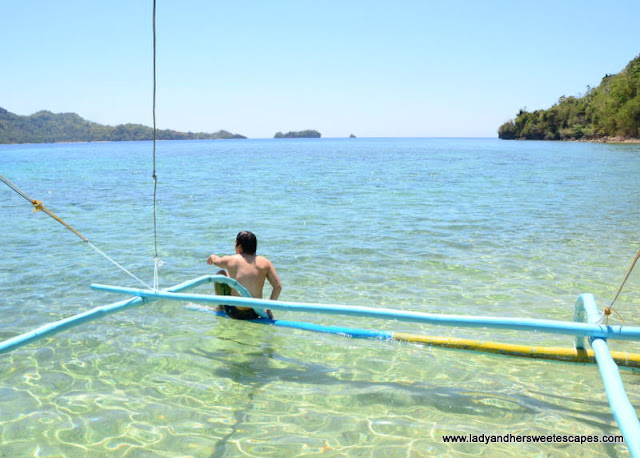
point(249, 269)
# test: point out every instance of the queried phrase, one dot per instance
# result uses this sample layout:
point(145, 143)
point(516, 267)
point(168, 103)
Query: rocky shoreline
point(611, 140)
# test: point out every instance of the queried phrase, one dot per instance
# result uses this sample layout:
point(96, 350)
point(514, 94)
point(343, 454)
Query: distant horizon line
point(192, 131)
point(253, 139)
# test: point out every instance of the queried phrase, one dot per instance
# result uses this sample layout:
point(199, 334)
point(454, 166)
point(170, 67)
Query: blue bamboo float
point(355, 333)
point(564, 354)
point(522, 324)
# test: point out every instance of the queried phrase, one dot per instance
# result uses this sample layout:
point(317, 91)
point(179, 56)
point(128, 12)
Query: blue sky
point(402, 68)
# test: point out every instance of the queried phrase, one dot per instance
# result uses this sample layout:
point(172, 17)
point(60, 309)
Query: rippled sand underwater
point(462, 226)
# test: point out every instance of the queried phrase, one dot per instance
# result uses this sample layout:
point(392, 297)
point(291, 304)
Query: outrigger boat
point(586, 325)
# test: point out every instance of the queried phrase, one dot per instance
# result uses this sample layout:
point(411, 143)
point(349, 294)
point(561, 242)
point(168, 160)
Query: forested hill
point(47, 127)
point(299, 134)
point(610, 110)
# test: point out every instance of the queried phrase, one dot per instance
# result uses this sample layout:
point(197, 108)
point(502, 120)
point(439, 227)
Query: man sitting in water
point(250, 271)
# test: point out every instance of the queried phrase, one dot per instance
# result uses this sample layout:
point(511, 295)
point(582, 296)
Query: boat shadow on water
point(255, 370)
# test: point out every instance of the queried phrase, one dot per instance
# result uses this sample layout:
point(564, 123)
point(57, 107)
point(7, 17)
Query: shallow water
point(460, 226)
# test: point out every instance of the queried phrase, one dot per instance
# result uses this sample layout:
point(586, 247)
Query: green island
point(609, 112)
point(299, 134)
point(47, 127)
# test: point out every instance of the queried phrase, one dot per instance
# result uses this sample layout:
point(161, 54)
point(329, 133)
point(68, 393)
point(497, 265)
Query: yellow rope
point(633, 264)
point(608, 310)
point(38, 205)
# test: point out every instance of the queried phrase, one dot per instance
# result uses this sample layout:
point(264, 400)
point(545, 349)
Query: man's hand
point(213, 259)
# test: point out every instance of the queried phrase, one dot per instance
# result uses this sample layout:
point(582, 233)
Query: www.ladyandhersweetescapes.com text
point(530, 439)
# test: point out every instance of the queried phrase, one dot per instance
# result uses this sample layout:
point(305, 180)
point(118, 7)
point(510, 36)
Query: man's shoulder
point(233, 258)
point(263, 260)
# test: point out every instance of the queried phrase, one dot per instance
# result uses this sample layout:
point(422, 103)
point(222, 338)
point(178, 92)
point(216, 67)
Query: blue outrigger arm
point(90, 315)
point(621, 407)
point(522, 324)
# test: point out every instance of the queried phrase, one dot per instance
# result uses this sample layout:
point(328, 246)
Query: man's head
point(248, 242)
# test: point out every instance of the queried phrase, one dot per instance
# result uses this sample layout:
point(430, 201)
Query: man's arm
point(222, 262)
point(274, 280)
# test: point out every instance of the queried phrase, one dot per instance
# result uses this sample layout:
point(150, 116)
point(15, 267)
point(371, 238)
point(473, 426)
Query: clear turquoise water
point(464, 226)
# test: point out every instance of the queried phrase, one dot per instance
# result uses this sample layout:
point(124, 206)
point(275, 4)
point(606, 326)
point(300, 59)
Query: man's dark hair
point(248, 241)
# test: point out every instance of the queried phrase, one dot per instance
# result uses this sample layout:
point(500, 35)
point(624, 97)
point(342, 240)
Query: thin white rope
point(157, 263)
point(98, 250)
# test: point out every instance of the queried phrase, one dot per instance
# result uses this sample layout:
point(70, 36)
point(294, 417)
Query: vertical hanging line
point(156, 260)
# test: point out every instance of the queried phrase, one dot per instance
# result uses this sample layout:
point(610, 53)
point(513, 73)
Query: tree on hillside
point(611, 109)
